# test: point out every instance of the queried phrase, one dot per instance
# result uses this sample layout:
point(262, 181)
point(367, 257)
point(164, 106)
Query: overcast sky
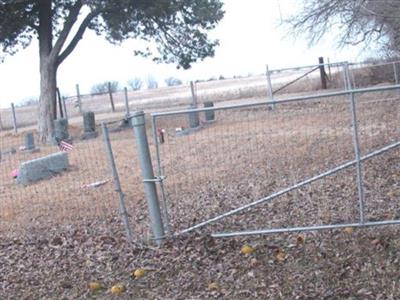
point(250, 37)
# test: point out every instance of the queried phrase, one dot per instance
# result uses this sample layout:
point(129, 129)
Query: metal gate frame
point(356, 162)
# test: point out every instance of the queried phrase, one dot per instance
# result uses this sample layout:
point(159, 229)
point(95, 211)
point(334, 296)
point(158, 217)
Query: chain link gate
point(215, 170)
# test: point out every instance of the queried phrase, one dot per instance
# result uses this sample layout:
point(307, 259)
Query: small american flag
point(64, 145)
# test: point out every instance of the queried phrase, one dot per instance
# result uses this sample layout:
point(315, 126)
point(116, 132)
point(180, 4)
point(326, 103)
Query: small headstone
point(89, 125)
point(30, 143)
point(210, 114)
point(61, 130)
point(194, 120)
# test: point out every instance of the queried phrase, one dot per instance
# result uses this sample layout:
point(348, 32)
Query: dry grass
point(244, 155)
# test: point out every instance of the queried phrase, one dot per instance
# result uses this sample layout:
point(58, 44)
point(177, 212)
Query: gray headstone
point(194, 120)
point(41, 168)
point(89, 122)
point(89, 125)
point(210, 114)
point(29, 141)
point(61, 129)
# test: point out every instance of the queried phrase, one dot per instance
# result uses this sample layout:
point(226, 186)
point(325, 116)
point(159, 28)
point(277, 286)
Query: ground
point(59, 235)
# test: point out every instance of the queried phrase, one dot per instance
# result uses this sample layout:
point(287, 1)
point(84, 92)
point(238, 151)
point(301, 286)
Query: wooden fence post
point(322, 73)
point(111, 97)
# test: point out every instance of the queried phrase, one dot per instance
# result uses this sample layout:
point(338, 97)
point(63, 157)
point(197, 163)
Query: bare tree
point(152, 82)
point(135, 84)
point(368, 22)
point(172, 81)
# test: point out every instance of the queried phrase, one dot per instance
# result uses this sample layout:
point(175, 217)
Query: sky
point(250, 37)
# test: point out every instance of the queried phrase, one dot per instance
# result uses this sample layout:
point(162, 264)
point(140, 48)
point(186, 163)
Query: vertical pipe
point(396, 78)
point(347, 76)
point(111, 97)
point(356, 144)
point(194, 95)
point(126, 102)
point(117, 185)
point(159, 174)
point(270, 92)
point(138, 124)
point(14, 118)
point(78, 97)
point(65, 107)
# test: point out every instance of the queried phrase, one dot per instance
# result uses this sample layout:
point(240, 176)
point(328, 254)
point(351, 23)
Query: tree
point(102, 87)
point(178, 28)
point(172, 81)
point(152, 82)
point(135, 84)
point(356, 21)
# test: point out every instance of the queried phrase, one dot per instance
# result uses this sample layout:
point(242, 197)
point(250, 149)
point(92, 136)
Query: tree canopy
point(177, 32)
point(368, 22)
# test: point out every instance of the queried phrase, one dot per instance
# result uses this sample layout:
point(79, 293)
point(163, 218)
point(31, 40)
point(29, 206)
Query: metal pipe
point(280, 101)
point(306, 228)
point(117, 185)
point(160, 175)
point(306, 67)
point(126, 102)
point(291, 188)
point(138, 124)
point(356, 144)
point(270, 92)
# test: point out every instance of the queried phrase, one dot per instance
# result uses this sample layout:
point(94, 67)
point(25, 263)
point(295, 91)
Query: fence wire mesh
point(83, 196)
point(248, 153)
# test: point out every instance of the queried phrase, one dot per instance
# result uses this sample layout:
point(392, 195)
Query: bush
point(172, 81)
point(151, 82)
point(102, 88)
point(135, 84)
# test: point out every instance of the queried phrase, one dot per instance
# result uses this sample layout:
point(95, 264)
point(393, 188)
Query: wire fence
point(82, 196)
point(213, 160)
point(250, 151)
point(283, 81)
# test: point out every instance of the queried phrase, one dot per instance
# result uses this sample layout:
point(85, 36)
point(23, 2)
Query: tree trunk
point(48, 73)
point(47, 102)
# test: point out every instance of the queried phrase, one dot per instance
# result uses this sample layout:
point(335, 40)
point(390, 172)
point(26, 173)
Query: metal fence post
point(138, 124)
point(117, 185)
point(347, 76)
point(269, 83)
point(360, 185)
point(126, 102)
point(396, 78)
point(14, 118)
point(78, 98)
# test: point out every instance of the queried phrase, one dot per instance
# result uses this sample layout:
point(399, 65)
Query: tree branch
point(69, 23)
point(78, 36)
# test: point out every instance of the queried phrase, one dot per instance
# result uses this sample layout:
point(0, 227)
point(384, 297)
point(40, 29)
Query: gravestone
point(210, 114)
point(61, 130)
point(30, 143)
point(42, 168)
point(194, 120)
point(89, 125)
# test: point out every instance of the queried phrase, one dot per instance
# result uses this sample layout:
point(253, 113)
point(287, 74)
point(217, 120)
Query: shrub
point(102, 88)
point(172, 81)
point(135, 84)
point(151, 82)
